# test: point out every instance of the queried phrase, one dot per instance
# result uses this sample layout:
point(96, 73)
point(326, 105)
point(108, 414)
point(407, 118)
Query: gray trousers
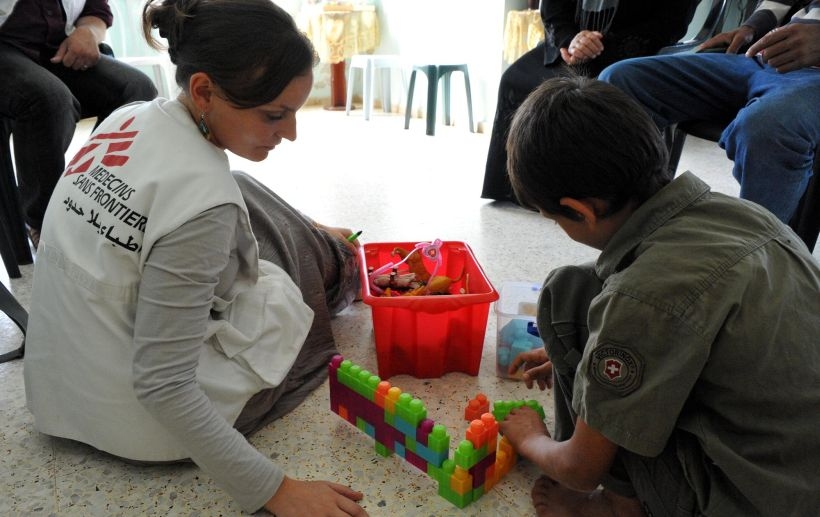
point(326, 272)
point(658, 482)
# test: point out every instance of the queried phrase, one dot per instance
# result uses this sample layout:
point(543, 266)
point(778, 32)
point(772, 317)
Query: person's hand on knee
point(791, 47)
point(733, 41)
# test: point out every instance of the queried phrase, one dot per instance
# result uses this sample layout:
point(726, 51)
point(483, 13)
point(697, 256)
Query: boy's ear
point(586, 209)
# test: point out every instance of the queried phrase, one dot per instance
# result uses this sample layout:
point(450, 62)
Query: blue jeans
point(44, 102)
point(775, 118)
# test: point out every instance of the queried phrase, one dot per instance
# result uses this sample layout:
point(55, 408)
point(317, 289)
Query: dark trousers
point(521, 78)
point(658, 482)
point(518, 81)
point(326, 272)
point(44, 102)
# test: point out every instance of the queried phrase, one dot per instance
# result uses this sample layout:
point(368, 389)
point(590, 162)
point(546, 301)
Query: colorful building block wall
point(398, 423)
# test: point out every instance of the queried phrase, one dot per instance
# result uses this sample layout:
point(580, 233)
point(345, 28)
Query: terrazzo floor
point(396, 185)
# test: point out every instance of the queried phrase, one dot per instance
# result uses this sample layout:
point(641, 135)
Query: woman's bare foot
point(551, 499)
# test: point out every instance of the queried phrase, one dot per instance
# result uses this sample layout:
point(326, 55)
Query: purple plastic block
point(479, 470)
point(415, 460)
point(424, 430)
point(335, 391)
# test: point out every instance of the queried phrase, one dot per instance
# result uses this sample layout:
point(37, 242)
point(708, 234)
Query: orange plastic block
point(505, 457)
point(490, 479)
point(477, 434)
point(476, 407)
point(391, 400)
point(461, 481)
point(491, 425)
point(343, 412)
point(381, 393)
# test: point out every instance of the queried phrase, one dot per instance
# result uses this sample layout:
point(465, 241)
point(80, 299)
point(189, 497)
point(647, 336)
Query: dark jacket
point(639, 28)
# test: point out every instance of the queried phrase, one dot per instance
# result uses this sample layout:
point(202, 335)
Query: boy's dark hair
point(251, 49)
point(583, 138)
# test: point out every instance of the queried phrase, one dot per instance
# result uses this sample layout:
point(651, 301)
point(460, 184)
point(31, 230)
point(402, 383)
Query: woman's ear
point(201, 91)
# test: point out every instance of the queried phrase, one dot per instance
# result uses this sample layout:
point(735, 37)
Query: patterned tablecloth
point(523, 31)
point(340, 31)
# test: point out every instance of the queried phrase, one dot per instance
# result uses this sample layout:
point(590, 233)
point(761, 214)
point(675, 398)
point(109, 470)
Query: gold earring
point(203, 127)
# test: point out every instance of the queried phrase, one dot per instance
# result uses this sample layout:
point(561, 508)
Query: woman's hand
point(315, 498)
point(585, 46)
point(537, 367)
point(342, 234)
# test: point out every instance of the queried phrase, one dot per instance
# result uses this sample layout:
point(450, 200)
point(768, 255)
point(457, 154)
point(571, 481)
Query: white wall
point(426, 31)
point(457, 31)
point(430, 31)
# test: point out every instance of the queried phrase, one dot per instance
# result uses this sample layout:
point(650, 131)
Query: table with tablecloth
point(339, 31)
point(522, 32)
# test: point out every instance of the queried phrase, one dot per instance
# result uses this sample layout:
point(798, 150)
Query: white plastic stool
point(369, 64)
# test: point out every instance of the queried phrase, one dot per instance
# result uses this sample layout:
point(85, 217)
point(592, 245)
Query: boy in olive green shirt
point(687, 359)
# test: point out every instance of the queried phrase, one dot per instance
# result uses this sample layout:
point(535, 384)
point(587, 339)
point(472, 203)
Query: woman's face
point(253, 132)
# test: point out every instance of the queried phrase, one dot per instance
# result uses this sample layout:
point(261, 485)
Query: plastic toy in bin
point(517, 330)
point(427, 335)
point(417, 281)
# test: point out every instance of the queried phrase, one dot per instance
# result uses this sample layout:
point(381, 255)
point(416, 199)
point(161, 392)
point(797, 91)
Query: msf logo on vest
point(115, 145)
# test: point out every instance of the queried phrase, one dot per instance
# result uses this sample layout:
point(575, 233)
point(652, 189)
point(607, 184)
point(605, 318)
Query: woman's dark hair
point(251, 49)
point(582, 138)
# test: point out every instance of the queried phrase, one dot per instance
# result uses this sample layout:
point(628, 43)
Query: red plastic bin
point(428, 336)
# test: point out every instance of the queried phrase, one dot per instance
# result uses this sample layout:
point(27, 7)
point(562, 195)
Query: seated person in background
point(770, 93)
point(583, 42)
point(176, 306)
point(685, 360)
point(51, 76)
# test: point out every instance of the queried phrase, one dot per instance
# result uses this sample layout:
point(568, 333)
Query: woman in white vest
point(178, 307)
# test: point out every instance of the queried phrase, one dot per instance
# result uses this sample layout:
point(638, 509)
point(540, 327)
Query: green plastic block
point(382, 449)
point(372, 384)
point(466, 456)
point(362, 386)
point(354, 377)
point(439, 440)
point(536, 407)
point(448, 493)
point(343, 373)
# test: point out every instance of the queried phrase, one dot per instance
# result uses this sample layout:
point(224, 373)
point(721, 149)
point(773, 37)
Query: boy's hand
point(537, 368)
point(524, 429)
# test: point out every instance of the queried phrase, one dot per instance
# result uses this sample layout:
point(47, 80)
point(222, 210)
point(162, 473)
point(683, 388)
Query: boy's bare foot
point(551, 499)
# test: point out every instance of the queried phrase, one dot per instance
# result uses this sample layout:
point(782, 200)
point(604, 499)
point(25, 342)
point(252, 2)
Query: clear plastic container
point(517, 332)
